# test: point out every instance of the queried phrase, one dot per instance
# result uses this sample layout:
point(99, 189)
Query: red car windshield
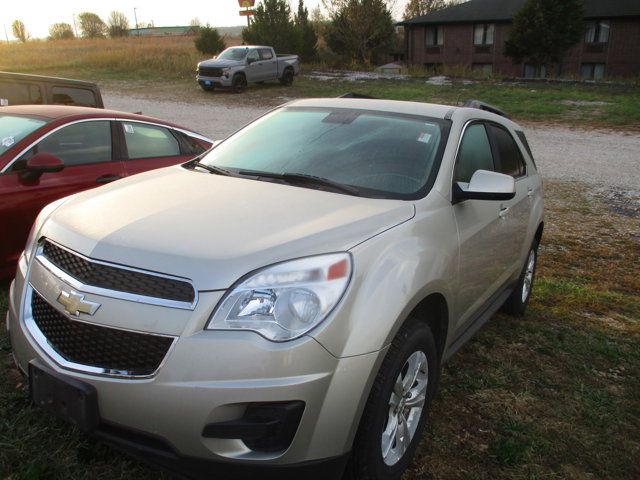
point(14, 128)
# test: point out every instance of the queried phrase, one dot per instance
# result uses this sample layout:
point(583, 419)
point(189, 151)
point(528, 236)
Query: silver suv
point(284, 303)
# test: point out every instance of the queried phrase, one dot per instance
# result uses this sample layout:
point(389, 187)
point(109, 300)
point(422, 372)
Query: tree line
point(89, 23)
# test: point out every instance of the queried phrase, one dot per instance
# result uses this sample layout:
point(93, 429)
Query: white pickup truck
point(236, 67)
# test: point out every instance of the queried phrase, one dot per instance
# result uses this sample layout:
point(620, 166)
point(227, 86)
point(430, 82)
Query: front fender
point(392, 273)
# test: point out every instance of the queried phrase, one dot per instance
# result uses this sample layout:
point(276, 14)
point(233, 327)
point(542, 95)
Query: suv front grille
point(116, 351)
point(210, 71)
point(115, 278)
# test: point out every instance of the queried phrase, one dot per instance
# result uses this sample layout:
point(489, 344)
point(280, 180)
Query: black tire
point(367, 462)
point(517, 302)
point(239, 83)
point(207, 88)
point(287, 78)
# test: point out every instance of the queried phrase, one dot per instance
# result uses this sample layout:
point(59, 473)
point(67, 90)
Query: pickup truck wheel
point(239, 84)
point(287, 78)
point(396, 411)
point(517, 302)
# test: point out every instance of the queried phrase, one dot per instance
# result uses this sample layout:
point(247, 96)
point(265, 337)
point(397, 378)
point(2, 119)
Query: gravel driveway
point(602, 158)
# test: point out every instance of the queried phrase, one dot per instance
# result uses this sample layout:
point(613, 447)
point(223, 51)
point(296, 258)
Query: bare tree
point(19, 30)
point(195, 22)
point(417, 8)
point(61, 31)
point(118, 24)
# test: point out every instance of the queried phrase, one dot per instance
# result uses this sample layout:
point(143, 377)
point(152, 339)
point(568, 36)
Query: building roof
point(154, 31)
point(504, 10)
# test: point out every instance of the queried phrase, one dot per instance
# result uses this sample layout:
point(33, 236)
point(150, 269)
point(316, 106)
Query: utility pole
point(135, 15)
point(5, 33)
point(75, 29)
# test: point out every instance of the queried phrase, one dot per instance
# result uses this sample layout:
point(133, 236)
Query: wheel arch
point(433, 311)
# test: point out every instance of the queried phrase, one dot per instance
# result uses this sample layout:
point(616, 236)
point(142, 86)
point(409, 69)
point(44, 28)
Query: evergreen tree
point(543, 31)
point(209, 41)
point(272, 25)
point(307, 37)
point(361, 30)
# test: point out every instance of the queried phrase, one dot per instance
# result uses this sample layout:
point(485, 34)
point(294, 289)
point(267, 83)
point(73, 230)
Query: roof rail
point(356, 95)
point(485, 106)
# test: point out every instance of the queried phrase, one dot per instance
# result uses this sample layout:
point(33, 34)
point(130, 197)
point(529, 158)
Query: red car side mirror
point(41, 163)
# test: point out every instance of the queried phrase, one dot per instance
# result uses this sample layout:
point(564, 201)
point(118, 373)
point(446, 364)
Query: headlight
point(37, 225)
point(285, 301)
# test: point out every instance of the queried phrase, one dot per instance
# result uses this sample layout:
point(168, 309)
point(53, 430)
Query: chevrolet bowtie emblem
point(74, 303)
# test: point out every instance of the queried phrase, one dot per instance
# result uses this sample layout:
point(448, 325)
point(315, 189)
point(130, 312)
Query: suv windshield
point(237, 53)
point(382, 154)
point(14, 128)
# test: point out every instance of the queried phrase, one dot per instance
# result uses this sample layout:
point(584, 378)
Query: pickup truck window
point(81, 97)
point(265, 54)
point(253, 56)
point(382, 154)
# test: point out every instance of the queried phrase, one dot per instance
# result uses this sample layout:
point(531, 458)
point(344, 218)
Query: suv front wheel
point(517, 302)
point(396, 411)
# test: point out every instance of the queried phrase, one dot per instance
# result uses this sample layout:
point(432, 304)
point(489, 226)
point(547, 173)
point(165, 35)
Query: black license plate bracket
point(66, 397)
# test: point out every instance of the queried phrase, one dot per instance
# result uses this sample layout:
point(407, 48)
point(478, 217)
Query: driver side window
point(76, 144)
point(474, 153)
point(253, 56)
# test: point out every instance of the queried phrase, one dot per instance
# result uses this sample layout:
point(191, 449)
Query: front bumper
point(214, 81)
point(211, 377)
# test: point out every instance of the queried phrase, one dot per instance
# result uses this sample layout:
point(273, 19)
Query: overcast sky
point(37, 15)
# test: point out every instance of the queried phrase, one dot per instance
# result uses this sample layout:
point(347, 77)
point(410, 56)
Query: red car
point(49, 151)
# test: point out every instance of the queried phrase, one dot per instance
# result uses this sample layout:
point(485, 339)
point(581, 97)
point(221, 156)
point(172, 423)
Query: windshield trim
point(445, 129)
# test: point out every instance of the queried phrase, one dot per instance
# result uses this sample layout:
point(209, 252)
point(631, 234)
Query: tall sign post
point(248, 9)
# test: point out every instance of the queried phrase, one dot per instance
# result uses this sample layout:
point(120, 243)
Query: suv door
point(86, 148)
point(482, 231)
point(517, 211)
point(148, 146)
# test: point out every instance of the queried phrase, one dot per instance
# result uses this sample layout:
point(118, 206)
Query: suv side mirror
point(485, 185)
point(41, 163)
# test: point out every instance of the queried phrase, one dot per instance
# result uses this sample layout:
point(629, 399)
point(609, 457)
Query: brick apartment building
point(473, 34)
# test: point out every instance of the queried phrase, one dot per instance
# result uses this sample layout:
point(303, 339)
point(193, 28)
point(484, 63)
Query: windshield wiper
point(212, 169)
point(298, 178)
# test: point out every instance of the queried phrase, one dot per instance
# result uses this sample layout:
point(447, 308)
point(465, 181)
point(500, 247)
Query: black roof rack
point(356, 95)
point(485, 106)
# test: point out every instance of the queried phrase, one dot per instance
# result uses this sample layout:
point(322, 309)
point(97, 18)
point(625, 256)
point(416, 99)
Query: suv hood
point(214, 229)
point(221, 63)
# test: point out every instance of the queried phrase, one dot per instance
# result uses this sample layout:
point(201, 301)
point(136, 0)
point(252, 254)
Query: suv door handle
point(108, 178)
point(503, 212)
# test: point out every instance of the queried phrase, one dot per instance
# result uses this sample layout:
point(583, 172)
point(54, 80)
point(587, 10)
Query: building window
point(485, 69)
point(592, 71)
point(483, 34)
point(435, 36)
point(534, 71)
point(597, 32)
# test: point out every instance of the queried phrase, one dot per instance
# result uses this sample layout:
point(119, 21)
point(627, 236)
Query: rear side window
point(265, 54)
point(193, 146)
point(78, 144)
point(20, 93)
point(511, 161)
point(73, 96)
point(146, 141)
point(474, 153)
point(523, 139)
